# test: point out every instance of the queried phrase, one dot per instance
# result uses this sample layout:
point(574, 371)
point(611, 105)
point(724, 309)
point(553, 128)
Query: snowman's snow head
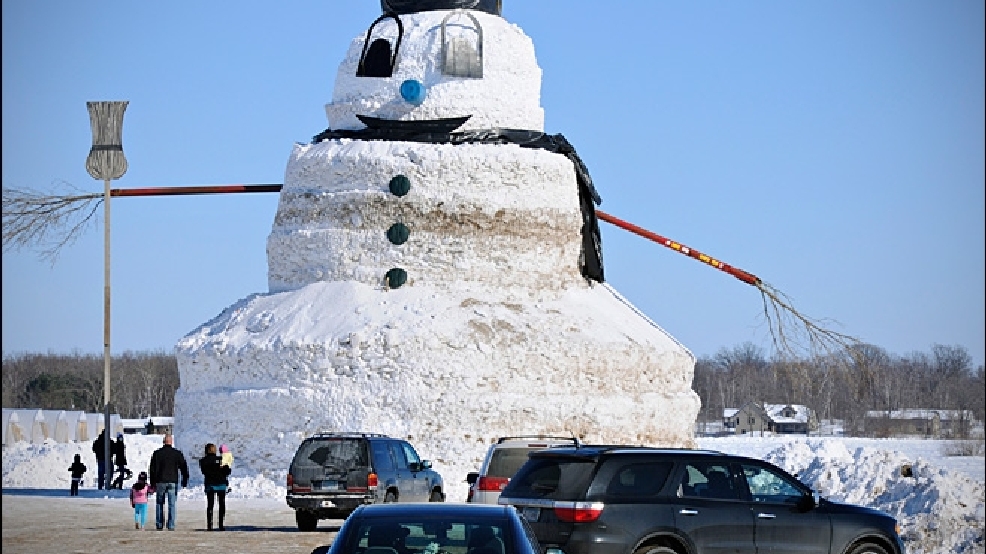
point(439, 64)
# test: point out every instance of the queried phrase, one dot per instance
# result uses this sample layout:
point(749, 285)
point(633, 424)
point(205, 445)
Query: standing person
point(168, 468)
point(216, 481)
point(119, 451)
point(99, 449)
point(78, 469)
point(138, 499)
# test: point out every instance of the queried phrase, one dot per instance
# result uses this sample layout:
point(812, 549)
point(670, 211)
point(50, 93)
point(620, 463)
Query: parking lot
point(82, 525)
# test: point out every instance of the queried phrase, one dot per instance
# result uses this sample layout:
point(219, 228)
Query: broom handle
point(747, 278)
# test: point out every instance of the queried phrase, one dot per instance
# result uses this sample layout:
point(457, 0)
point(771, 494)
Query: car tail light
point(371, 480)
point(578, 512)
point(290, 481)
point(492, 483)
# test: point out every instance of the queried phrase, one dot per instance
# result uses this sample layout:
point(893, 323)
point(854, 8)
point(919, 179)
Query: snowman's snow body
point(495, 332)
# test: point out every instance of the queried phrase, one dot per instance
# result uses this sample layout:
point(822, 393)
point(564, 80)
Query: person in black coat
point(119, 451)
point(99, 449)
point(216, 482)
point(78, 469)
point(167, 468)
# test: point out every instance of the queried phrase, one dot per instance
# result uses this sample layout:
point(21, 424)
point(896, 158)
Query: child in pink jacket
point(138, 499)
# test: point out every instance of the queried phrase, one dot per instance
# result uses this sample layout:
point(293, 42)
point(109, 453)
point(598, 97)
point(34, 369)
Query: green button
point(400, 185)
point(396, 277)
point(398, 233)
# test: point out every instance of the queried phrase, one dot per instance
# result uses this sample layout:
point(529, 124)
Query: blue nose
point(413, 91)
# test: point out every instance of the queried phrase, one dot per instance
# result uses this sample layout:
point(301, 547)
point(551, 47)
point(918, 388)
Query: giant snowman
point(434, 272)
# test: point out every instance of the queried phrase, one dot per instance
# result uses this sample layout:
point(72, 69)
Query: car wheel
point(391, 496)
point(306, 521)
point(436, 496)
point(654, 549)
point(869, 548)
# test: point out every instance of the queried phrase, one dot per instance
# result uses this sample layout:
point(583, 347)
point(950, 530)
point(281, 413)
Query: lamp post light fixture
point(106, 162)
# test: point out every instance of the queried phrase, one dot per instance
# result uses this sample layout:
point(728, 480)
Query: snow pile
point(939, 510)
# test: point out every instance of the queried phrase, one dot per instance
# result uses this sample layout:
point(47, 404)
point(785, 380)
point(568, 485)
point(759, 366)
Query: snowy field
point(940, 505)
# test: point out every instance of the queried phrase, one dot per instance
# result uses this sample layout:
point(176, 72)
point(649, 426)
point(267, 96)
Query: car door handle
point(687, 512)
point(762, 515)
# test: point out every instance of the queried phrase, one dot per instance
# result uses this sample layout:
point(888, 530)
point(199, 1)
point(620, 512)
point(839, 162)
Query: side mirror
point(472, 477)
point(807, 502)
point(425, 464)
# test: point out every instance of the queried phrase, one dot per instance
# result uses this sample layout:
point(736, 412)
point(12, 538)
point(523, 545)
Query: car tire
point(437, 496)
point(306, 521)
point(869, 548)
point(390, 497)
point(655, 549)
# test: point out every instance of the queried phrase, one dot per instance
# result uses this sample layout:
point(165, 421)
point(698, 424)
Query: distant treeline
point(141, 384)
point(843, 387)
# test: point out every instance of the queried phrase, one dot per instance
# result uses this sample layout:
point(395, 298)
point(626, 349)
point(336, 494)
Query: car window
point(340, 454)
point(767, 485)
point(506, 461)
point(456, 535)
point(398, 453)
point(555, 478)
point(708, 480)
point(409, 453)
point(383, 459)
point(623, 479)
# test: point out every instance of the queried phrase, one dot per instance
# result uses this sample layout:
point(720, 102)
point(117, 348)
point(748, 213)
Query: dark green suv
point(638, 500)
point(334, 473)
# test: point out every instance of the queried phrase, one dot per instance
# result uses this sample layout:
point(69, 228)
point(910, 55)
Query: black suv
point(625, 499)
point(334, 473)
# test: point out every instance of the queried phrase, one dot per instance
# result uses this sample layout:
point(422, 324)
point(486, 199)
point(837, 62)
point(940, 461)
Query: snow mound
point(938, 510)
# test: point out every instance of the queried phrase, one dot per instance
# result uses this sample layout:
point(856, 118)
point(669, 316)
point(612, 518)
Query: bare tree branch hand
point(46, 220)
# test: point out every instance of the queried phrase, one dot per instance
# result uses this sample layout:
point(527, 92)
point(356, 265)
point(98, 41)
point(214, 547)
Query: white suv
point(503, 459)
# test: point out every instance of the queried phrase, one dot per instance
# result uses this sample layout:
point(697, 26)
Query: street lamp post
point(106, 162)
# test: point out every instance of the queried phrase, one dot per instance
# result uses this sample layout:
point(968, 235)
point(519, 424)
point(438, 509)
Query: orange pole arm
point(747, 278)
point(207, 189)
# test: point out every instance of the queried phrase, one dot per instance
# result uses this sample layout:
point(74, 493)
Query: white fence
point(36, 426)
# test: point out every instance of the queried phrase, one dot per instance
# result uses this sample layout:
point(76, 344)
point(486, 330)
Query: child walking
point(78, 469)
point(138, 499)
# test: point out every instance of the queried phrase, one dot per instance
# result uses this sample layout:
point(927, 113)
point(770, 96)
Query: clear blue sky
point(834, 149)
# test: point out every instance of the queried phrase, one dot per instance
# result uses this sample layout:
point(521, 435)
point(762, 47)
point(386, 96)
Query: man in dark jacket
point(168, 469)
point(99, 449)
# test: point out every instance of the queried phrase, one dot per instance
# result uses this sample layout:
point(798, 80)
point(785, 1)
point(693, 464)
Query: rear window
point(630, 479)
point(552, 478)
point(340, 454)
point(506, 461)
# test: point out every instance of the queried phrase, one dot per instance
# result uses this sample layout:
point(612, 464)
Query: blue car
point(434, 528)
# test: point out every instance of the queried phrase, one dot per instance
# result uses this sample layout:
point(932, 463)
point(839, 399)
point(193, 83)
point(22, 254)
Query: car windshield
point(410, 535)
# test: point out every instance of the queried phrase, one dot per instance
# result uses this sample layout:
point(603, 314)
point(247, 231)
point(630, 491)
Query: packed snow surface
point(939, 502)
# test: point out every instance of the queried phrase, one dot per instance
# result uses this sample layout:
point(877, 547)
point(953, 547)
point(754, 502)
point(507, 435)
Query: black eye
point(377, 58)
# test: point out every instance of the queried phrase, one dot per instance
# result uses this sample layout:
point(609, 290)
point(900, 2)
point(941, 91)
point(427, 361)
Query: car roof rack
point(574, 440)
point(344, 434)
